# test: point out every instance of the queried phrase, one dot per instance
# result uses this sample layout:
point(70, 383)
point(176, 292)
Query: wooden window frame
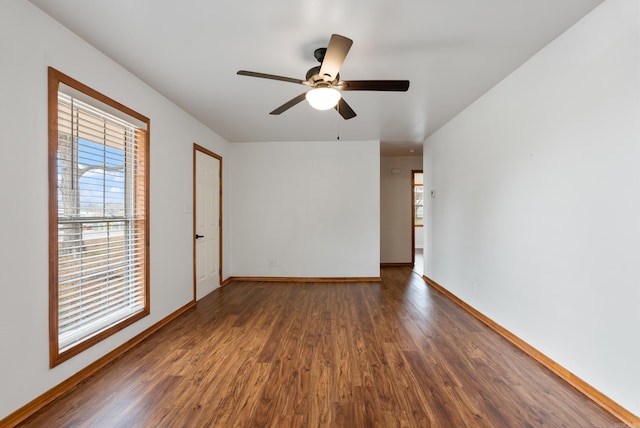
point(55, 78)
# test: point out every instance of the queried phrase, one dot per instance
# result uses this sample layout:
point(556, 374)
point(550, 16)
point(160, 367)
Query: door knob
point(199, 236)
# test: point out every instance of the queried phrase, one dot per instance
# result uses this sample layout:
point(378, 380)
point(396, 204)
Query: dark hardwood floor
point(389, 354)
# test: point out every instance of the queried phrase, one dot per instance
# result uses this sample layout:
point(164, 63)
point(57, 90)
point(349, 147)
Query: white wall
point(395, 208)
point(29, 42)
point(305, 209)
point(537, 214)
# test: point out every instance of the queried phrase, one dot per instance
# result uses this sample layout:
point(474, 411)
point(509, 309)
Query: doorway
point(417, 221)
point(207, 221)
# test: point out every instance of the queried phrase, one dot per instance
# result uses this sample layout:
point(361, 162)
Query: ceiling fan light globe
point(323, 98)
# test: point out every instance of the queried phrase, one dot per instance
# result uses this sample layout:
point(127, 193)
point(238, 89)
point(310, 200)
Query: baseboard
point(302, 279)
point(67, 385)
point(384, 265)
point(225, 282)
point(593, 394)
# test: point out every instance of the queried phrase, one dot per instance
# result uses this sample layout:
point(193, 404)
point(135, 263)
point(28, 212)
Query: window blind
point(101, 220)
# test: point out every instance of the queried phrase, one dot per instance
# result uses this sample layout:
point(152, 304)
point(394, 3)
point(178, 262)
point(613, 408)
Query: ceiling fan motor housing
point(316, 80)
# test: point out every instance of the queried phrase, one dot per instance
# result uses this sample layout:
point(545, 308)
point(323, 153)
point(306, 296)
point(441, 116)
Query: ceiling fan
point(324, 80)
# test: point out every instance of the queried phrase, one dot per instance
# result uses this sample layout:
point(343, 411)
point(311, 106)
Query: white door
point(207, 221)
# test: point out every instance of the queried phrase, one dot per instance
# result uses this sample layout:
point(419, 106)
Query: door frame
point(198, 148)
point(413, 213)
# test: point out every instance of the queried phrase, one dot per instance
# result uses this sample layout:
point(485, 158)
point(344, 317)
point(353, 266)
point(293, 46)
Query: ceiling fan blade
point(374, 85)
point(286, 106)
point(334, 57)
point(271, 76)
point(345, 109)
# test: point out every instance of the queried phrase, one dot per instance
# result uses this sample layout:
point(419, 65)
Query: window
point(98, 215)
point(418, 199)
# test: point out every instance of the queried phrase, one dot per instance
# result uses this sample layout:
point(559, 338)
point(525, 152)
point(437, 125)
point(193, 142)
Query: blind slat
point(79, 313)
point(120, 268)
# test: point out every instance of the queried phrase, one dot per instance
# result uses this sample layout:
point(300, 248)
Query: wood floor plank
point(394, 353)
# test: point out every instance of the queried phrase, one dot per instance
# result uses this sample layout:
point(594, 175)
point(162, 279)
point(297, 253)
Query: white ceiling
point(452, 51)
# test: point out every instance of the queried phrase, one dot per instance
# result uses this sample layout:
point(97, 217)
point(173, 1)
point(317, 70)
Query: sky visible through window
point(101, 186)
point(101, 180)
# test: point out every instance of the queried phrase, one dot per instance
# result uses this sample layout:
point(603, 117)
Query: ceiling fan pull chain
point(338, 122)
